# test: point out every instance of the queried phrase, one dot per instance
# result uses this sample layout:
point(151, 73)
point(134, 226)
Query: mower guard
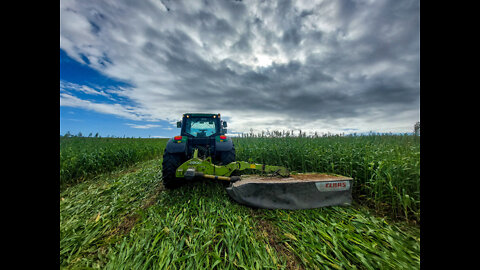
point(300, 191)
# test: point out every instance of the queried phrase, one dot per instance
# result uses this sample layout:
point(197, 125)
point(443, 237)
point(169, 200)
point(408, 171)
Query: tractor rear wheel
point(170, 163)
point(227, 157)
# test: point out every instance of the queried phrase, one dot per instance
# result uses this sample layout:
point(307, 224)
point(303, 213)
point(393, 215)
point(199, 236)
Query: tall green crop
point(82, 157)
point(386, 168)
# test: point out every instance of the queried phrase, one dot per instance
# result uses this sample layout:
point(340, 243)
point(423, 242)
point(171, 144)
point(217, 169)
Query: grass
point(126, 220)
point(195, 227)
point(90, 211)
point(122, 218)
point(345, 238)
point(385, 168)
point(82, 157)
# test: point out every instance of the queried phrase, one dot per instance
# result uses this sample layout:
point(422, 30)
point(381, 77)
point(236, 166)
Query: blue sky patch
point(87, 87)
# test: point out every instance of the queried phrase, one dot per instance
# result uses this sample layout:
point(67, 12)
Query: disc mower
point(202, 150)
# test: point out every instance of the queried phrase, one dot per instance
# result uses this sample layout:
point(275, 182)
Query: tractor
point(198, 131)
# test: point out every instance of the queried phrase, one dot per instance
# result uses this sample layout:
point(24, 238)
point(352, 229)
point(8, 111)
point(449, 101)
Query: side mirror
point(224, 124)
point(179, 124)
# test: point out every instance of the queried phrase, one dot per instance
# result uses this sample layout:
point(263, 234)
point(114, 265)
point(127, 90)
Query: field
point(120, 216)
point(81, 157)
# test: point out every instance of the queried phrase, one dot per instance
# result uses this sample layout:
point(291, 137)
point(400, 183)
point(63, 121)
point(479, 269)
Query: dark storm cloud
point(326, 60)
point(291, 36)
point(242, 44)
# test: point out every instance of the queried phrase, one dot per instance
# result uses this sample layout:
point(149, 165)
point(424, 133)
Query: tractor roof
point(201, 114)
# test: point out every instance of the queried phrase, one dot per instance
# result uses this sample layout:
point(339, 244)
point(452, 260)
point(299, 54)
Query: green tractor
point(202, 150)
point(202, 132)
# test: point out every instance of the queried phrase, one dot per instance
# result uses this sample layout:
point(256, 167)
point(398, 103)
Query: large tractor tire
point(170, 164)
point(227, 157)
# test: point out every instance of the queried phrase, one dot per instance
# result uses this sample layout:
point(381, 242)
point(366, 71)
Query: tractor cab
point(205, 132)
point(202, 125)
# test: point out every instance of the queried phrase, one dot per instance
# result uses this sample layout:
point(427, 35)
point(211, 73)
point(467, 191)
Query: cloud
point(68, 87)
point(147, 126)
point(113, 109)
point(319, 65)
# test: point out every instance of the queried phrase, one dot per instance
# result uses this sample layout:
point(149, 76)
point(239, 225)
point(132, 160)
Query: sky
point(132, 68)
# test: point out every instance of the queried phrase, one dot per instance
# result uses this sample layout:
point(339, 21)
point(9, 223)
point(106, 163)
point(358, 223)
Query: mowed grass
point(90, 211)
point(126, 220)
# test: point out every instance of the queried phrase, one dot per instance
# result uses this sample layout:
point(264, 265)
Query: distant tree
point(96, 135)
point(79, 134)
point(90, 135)
point(67, 134)
point(416, 128)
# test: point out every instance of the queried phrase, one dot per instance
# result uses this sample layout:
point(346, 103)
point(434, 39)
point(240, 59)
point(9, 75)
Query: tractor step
point(299, 191)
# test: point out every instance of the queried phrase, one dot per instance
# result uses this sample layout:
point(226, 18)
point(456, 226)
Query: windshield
point(200, 127)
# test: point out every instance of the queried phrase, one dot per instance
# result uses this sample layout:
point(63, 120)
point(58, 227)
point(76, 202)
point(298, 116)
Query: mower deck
point(299, 191)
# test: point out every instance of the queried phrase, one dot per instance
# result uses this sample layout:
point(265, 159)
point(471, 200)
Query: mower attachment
point(301, 191)
point(296, 191)
point(197, 167)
